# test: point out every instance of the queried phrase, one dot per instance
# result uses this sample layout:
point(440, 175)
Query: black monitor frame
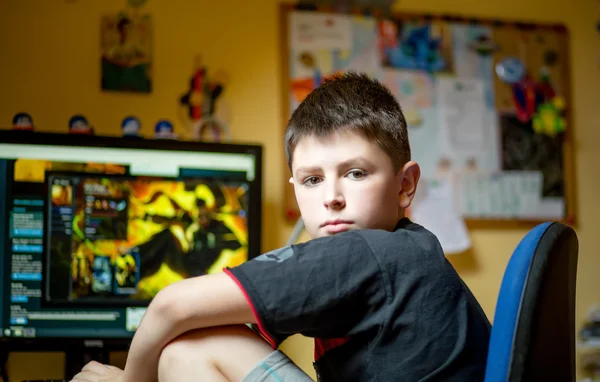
point(100, 345)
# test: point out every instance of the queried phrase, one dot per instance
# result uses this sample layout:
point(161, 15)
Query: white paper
point(434, 208)
point(551, 208)
point(462, 112)
point(310, 31)
point(508, 194)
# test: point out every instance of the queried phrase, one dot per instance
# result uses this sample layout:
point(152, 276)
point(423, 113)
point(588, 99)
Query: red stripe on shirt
point(261, 329)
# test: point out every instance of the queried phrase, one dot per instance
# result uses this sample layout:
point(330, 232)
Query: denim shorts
point(277, 367)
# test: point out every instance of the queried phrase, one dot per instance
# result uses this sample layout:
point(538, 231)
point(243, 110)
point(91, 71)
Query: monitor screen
point(92, 228)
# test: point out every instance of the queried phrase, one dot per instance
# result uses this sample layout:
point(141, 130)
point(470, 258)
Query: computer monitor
point(91, 228)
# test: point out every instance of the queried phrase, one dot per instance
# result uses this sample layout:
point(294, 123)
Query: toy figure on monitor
point(198, 105)
point(22, 121)
point(130, 127)
point(78, 124)
point(164, 130)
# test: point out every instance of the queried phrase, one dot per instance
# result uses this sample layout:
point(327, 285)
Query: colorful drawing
point(126, 46)
point(301, 87)
point(310, 67)
point(423, 46)
point(414, 91)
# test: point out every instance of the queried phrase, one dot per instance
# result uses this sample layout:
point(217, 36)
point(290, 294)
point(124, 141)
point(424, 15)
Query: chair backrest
point(533, 333)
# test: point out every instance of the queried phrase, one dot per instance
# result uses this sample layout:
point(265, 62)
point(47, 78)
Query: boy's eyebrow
point(307, 169)
point(352, 162)
point(357, 161)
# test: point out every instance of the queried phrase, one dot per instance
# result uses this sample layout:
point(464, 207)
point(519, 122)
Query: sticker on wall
point(164, 130)
point(198, 105)
point(510, 70)
point(22, 121)
point(126, 50)
point(130, 127)
point(78, 124)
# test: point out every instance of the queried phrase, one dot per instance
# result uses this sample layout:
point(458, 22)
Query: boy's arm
point(194, 303)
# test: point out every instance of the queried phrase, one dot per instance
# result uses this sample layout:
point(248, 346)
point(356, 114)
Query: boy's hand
point(97, 372)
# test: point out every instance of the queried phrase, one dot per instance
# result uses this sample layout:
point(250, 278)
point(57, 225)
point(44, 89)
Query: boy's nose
point(336, 203)
point(334, 199)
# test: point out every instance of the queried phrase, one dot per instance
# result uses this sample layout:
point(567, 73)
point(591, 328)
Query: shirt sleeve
point(321, 288)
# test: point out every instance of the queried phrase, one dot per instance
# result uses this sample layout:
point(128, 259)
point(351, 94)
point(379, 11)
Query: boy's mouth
point(336, 222)
point(337, 226)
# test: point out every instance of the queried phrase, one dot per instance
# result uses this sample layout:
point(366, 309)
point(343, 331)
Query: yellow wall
point(49, 67)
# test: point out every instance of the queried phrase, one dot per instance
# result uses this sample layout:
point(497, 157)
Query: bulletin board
point(487, 102)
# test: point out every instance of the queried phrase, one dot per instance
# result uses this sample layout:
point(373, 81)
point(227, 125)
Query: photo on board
point(126, 49)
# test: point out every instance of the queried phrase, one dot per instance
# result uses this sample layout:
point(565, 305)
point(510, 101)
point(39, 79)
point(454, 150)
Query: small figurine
point(130, 127)
point(22, 121)
point(78, 124)
point(164, 130)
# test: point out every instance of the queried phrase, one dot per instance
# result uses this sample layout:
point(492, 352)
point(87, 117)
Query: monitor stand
point(77, 358)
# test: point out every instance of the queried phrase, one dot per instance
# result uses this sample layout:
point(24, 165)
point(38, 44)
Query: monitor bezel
point(80, 140)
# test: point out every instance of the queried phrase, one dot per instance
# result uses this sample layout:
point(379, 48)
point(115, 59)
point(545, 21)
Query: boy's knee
point(195, 345)
point(233, 348)
point(188, 354)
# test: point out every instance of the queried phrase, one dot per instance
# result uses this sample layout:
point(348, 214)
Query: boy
point(372, 288)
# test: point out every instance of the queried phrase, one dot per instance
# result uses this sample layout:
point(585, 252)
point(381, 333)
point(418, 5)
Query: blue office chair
point(533, 334)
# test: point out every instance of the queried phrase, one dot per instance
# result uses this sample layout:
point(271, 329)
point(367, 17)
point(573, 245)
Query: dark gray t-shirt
point(382, 306)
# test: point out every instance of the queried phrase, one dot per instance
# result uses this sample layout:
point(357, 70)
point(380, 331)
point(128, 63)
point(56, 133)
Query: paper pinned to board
point(506, 194)
point(434, 207)
point(462, 111)
point(313, 31)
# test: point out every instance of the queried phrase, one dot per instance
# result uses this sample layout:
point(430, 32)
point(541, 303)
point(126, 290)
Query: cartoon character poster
point(415, 45)
point(126, 46)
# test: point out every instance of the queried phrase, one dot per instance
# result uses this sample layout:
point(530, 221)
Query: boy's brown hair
point(351, 102)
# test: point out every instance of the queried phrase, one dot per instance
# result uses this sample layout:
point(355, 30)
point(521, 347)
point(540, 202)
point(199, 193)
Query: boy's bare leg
point(219, 354)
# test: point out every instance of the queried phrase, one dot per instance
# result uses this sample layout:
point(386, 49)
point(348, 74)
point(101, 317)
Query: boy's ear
point(411, 172)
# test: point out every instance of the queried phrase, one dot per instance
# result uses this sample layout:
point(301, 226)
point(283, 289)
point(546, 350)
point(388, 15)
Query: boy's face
point(345, 182)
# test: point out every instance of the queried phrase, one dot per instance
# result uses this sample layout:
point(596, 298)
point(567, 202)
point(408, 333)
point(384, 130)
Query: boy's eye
point(356, 175)
point(311, 181)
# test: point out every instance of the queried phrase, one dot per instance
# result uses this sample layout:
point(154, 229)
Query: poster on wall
point(126, 48)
